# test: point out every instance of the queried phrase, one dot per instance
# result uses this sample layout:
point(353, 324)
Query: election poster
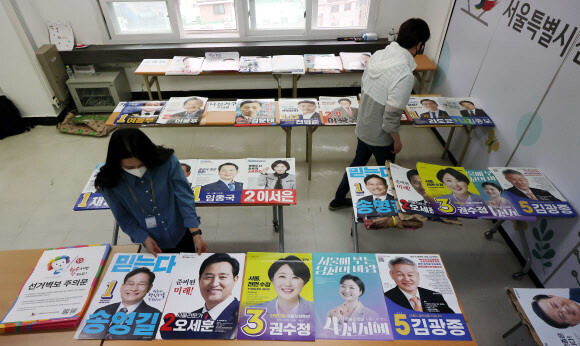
point(410, 192)
point(270, 181)
point(348, 298)
point(372, 197)
point(204, 299)
point(277, 299)
point(129, 302)
point(90, 199)
point(57, 292)
point(140, 112)
point(220, 181)
point(420, 299)
point(299, 112)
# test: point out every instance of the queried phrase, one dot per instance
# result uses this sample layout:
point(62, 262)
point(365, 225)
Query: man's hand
point(200, 245)
point(151, 246)
point(397, 145)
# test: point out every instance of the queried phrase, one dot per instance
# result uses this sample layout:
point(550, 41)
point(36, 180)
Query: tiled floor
point(43, 172)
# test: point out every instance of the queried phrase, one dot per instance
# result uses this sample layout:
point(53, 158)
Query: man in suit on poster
point(218, 275)
point(135, 287)
point(227, 172)
point(408, 294)
point(377, 186)
point(433, 110)
point(308, 109)
point(470, 111)
point(521, 187)
point(346, 111)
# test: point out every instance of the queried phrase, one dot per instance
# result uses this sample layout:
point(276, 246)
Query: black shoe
point(335, 205)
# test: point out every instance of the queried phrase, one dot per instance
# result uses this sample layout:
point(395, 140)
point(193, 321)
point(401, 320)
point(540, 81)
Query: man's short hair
point(192, 99)
point(227, 164)
point(298, 268)
point(541, 314)
point(465, 101)
point(278, 162)
point(250, 101)
point(429, 100)
point(411, 173)
point(357, 281)
point(220, 257)
point(454, 173)
point(307, 101)
point(412, 32)
point(140, 270)
point(510, 171)
point(401, 260)
point(486, 183)
point(349, 102)
point(370, 176)
point(187, 167)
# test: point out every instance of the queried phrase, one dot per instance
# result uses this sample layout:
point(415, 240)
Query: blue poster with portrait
point(348, 300)
point(372, 195)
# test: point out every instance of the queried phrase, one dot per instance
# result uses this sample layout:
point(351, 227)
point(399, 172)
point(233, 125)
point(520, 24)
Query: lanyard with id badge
point(150, 220)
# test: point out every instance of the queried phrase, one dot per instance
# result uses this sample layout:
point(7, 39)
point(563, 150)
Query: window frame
point(243, 33)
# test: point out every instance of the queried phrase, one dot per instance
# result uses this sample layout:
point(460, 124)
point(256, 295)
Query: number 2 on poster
point(256, 324)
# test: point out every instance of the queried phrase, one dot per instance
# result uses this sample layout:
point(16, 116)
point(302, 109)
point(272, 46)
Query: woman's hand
point(151, 246)
point(200, 245)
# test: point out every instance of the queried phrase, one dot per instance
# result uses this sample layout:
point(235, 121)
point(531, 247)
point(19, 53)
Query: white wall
point(21, 77)
point(86, 21)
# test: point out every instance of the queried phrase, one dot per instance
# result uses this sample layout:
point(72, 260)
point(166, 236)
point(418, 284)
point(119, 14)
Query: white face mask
point(138, 172)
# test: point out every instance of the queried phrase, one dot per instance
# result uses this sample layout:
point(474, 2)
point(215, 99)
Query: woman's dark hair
point(357, 281)
point(492, 184)
point(220, 257)
point(413, 31)
point(298, 268)
point(457, 175)
point(126, 143)
point(278, 162)
point(541, 314)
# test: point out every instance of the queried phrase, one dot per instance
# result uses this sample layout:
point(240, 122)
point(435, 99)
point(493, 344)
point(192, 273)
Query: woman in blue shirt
point(146, 189)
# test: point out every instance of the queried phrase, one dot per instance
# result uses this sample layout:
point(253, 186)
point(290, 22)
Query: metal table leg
point(295, 78)
point(288, 131)
point(354, 233)
point(309, 139)
point(281, 228)
point(449, 137)
point(148, 85)
point(526, 254)
point(115, 233)
point(278, 78)
point(275, 218)
point(158, 88)
point(468, 130)
point(489, 234)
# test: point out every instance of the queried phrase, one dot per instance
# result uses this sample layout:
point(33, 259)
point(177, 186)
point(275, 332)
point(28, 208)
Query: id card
point(150, 222)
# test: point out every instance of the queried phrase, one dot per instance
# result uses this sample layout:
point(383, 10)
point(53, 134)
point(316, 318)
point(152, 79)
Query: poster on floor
point(129, 302)
point(451, 190)
point(348, 298)
point(204, 299)
point(90, 199)
point(420, 299)
point(371, 195)
point(553, 315)
point(531, 192)
point(277, 300)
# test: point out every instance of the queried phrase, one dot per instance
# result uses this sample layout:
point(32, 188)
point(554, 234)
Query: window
point(207, 15)
point(277, 14)
point(219, 9)
point(165, 21)
point(130, 17)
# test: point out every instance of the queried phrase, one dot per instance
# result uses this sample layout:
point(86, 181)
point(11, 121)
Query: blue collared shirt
point(173, 197)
